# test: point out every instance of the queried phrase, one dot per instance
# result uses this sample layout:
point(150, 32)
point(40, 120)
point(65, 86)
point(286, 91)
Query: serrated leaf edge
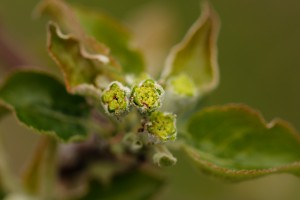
point(103, 59)
point(239, 175)
point(12, 109)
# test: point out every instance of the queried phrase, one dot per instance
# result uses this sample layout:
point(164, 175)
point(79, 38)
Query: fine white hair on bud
point(115, 99)
point(164, 159)
point(147, 96)
point(161, 127)
point(181, 93)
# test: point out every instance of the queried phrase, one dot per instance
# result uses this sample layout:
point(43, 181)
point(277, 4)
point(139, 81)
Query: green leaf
point(236, 143)
point(135, 185)
point(42, 103)
point(62, 14)
point(115, 36)
point(99, 33)
point(196, 55)
point(80, 73)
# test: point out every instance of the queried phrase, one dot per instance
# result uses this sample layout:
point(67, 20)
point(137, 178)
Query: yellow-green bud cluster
point(147, 96)
point(115, 99)
point(157, 127)
point(162, 126)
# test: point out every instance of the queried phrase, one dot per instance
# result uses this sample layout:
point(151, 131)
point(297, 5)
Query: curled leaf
point(99, 33)
point(196, 55)
point(115, 36)
point(236, 143)
point(63, 14)
point(80, 68)
point(42, 103)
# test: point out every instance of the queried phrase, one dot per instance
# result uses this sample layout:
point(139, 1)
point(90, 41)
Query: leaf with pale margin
point(62, 14)
point(99, 33)
point(80, 73)
point(196, 55)
point(42, 103)
point(135, 185)
point(236, 143)
point(115, 36)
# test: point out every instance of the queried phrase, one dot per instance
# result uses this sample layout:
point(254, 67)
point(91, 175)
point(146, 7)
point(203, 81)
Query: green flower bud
point(115, 99)
point(132, 141)
point(182, 85)
point(164, 159)
point(147, 96)
point(162, 126)
point(181, 94)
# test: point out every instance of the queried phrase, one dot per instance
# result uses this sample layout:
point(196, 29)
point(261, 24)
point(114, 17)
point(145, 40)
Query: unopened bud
point(115, 99)
point(162, 126)
point(147, 96)
point(163, 157)
point(133, 142)
point(182, 85)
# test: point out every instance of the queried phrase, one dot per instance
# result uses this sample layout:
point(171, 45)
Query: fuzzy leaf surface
point(116, 37)
point(98, 32)
point(79, 72)
point(236, 143)
point(42, 103)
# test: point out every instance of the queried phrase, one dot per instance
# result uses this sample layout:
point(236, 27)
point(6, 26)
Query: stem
point(40, 176)
point(49, 170)
point(7, 180)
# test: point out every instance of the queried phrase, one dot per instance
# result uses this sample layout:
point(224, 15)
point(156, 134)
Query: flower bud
point(164, 159)
point(115, 99)
point(182, 85)
point(181, 94)
point(132, 141)
point(162, 126)
point(147, 96)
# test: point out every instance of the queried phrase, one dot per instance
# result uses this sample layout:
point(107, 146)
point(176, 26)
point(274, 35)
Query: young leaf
point(135, 185)
point(79, 70)
point(99, 33)
point(196, 55)
point(42, 103)
point(236, 143)
point(62, 14)
point(115, 36)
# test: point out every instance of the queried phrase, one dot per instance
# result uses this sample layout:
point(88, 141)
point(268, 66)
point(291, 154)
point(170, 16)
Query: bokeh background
point(259, 57)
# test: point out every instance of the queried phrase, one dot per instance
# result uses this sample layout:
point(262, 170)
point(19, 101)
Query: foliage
point(106, 96)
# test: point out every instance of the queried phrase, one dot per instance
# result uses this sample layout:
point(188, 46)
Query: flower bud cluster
point(147, 97)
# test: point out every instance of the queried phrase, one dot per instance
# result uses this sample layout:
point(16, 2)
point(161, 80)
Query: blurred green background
point(259, 58)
